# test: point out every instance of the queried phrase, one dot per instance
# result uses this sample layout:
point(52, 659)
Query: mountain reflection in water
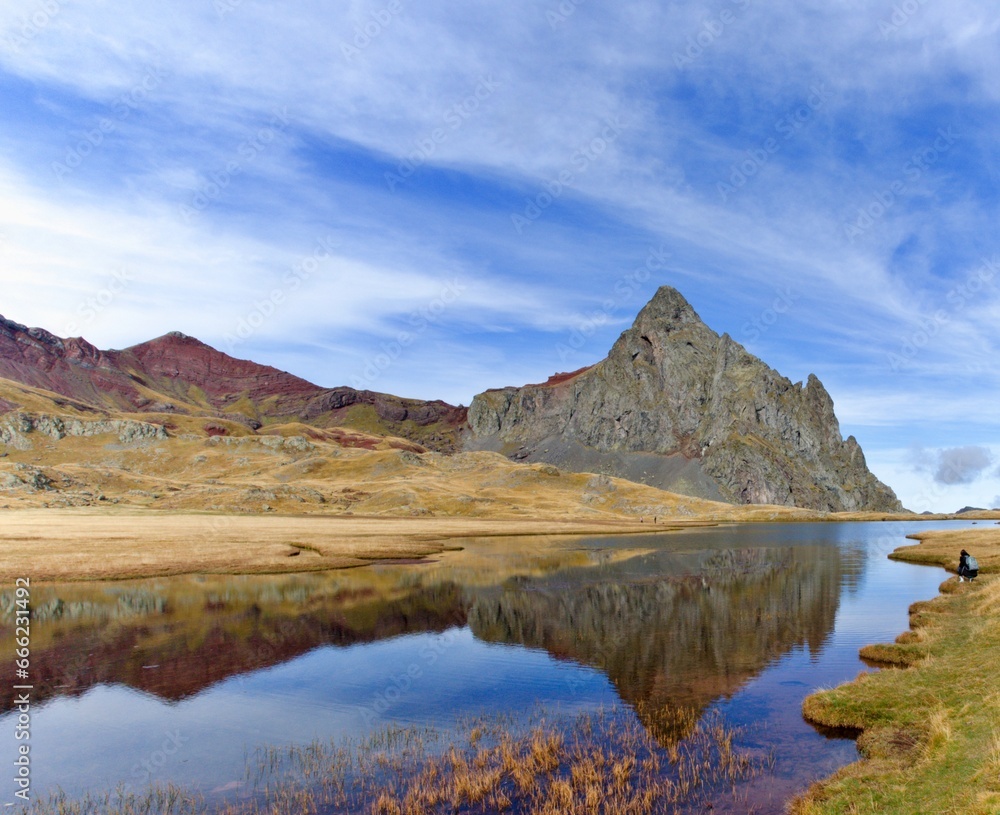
point(667, 628)
point(669, 631)
point(738, 622)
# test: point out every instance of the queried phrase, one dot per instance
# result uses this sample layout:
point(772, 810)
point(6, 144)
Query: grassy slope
point(932, 730)
point(298, 468)
point(293, 498)
point(289, 470)
point(941, 548)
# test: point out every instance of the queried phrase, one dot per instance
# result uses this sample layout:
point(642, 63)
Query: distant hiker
point(968, 567)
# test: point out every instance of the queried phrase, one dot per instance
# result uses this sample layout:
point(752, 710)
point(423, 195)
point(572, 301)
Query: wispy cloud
point(212, 180)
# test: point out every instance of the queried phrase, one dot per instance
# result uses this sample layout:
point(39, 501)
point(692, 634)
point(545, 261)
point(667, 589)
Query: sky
point(434, 198)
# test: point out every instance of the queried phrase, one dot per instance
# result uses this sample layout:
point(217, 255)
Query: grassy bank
point(930, 726)
point(941, 548)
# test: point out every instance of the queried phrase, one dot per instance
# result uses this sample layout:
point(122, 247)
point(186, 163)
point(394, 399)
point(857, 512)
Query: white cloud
point(919, 489)
point(557, 85)
point(962, 465)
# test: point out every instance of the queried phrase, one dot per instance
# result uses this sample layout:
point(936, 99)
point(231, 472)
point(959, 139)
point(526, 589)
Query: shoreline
point(925, 720)
point(74, 545)
point(87, 544)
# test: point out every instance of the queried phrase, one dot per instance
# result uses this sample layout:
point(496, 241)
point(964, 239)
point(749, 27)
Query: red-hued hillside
point(178, 358)
point(180, 374)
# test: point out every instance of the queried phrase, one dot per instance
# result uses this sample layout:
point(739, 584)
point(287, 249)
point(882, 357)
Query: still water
point(180, 680)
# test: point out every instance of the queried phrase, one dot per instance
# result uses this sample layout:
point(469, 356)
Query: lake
point(183, 680)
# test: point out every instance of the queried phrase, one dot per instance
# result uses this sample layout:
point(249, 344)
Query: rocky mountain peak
point(668, 310)
point(177, 339)
point(680, 407)
point(10, 326)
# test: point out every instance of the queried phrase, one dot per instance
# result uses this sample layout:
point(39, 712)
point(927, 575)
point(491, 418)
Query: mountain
point(676, 406)
point(180, 374)
point(673, 406)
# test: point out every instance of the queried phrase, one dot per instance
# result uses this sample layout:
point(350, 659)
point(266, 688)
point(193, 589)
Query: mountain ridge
point(674, 405)
point(177, 373)
point(677, 406)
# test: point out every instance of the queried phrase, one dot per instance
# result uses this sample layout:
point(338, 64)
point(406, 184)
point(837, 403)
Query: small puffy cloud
point(961, 465)
point(923, 460)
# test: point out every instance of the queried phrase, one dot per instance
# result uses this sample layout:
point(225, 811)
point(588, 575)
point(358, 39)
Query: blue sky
point(432, 199)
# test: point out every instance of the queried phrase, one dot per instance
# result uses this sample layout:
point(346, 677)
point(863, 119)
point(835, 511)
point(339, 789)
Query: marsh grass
point(605, 762)
point(598, 763)
point(165, 800)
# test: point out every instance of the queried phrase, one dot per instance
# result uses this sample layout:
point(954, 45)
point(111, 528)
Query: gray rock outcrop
point(14, 430)
point(679, 407)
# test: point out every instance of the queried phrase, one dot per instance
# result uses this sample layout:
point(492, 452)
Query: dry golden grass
point(90, 544)
point(86, 507)
point(942, 548)
point(603, 763)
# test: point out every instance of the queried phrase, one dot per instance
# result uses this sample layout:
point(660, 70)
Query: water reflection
point(672, 631)
point(175, 638)
point(665, 628)
point(744, 619)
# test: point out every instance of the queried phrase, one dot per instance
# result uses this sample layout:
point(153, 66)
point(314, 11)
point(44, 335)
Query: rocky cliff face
point(677, 406)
